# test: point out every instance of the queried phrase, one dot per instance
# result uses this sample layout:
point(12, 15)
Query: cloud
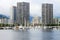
point(35, 9)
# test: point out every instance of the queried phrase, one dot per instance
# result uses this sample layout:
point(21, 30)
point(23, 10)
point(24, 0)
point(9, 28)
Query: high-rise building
point(55, 20)
point(47, 13)
point(23, 13)
point(14, 14)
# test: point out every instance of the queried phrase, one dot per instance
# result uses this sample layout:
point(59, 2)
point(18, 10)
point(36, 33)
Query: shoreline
point(35, 27)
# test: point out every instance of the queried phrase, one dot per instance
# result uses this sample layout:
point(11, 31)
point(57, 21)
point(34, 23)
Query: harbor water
point(30, 34)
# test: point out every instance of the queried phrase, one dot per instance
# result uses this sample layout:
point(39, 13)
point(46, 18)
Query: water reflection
point(35, 34)
point(47, 34)
point(30, 34)
point(21, 35)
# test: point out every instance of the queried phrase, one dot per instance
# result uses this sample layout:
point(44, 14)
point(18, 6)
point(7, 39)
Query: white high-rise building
point(36, 21)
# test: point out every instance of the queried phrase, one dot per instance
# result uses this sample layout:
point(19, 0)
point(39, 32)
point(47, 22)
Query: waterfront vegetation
point(12, 25)
point(6, 25)
point(53, 25)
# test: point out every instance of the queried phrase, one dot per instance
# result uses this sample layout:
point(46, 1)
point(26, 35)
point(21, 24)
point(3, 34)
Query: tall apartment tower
point(23, 13)
point(14, 14)
point(47, 13)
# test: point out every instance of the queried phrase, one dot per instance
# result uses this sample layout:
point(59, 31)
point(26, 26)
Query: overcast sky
point(35, 6)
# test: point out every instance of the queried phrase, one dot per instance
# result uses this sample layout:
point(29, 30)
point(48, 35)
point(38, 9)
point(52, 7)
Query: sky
point(35, 7)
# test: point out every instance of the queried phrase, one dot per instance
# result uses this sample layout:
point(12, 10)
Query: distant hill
point(3, 16)
point(31, 18)
point(57, 17)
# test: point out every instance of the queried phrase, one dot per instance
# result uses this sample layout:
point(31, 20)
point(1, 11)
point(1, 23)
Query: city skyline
point(35, 7)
